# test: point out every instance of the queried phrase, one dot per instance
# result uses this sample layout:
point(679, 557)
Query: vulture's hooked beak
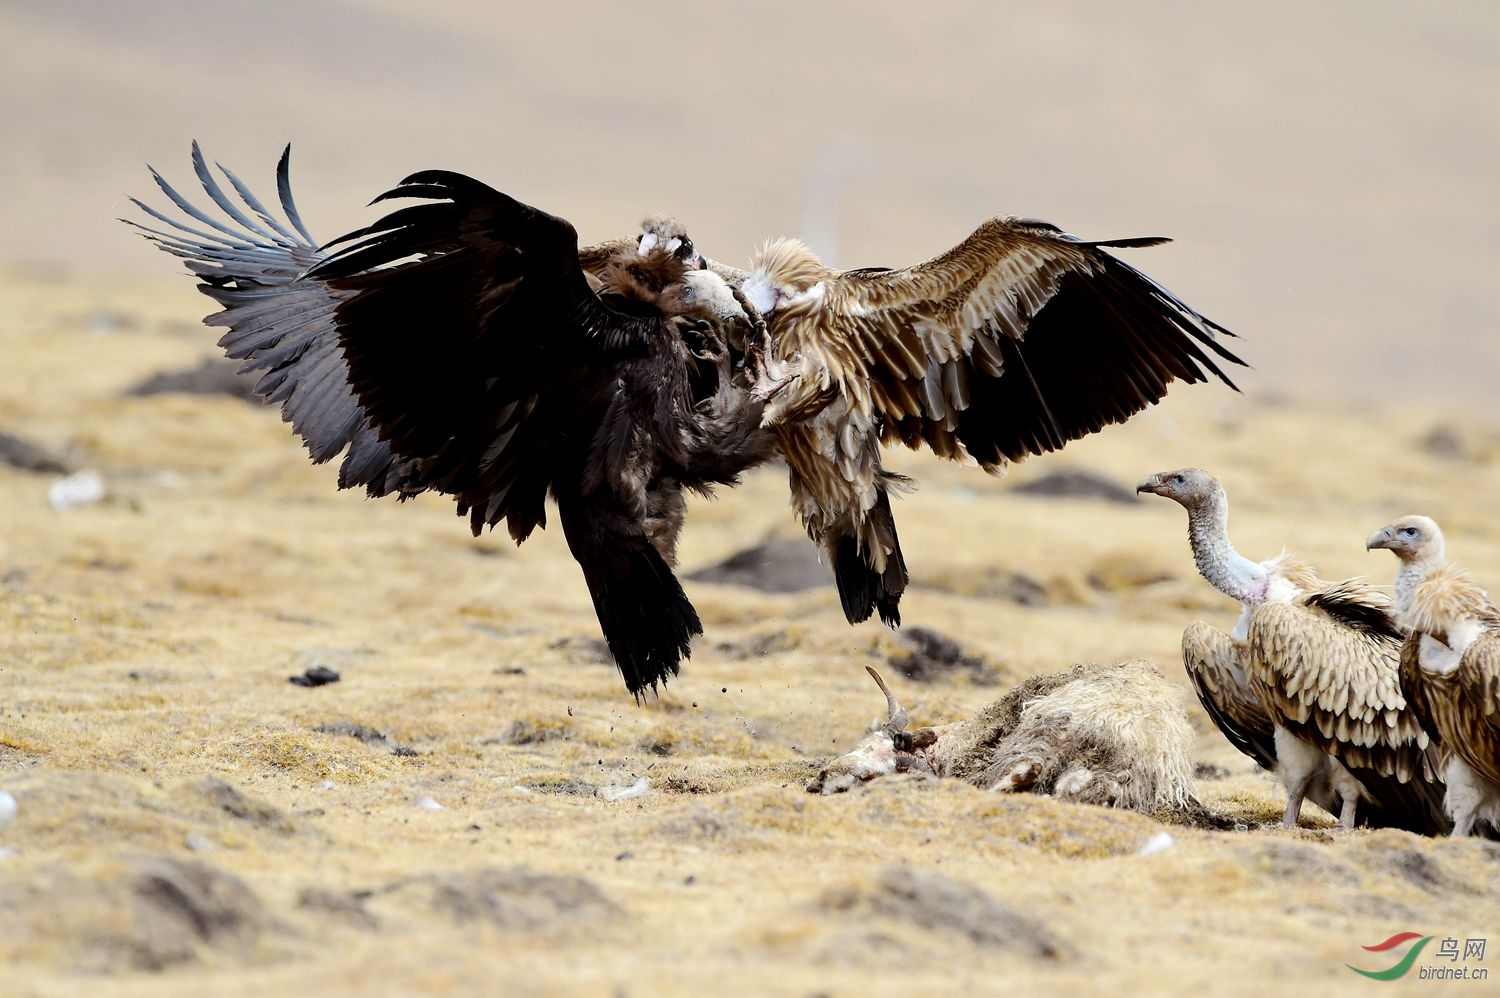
point(1382, 538)
point(1151, 483)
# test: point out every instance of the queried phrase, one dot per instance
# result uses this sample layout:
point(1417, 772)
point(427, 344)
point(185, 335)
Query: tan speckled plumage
point(1336, 685)
point(1015, 342)
point(1458, 701)
point(1216, 666)
point(1308, 684)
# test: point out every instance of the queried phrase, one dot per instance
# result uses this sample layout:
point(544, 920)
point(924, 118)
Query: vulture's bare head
point(659, 278)
point(1411, 538)
point(1191, 488)
point(708, 291)
point(784, 273)
point(668, 233)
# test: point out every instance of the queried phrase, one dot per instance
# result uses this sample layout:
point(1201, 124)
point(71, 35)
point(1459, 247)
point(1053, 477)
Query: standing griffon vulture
point(456, 345)
point(1450, 669)
point(1418, 545)
point(1307, 683)
point(1014, 342)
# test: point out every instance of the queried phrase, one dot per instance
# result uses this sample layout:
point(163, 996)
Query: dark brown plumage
point(455, 345)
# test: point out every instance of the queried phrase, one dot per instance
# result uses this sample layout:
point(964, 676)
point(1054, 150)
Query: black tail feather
point(862, 590)
point(646, 617)
point(1414, 806)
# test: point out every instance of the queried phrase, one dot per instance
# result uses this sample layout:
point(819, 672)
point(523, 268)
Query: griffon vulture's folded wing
point(1215, 665)
point(1327, 666)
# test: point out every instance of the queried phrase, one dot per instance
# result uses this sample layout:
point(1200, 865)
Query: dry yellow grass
point(190, 823)
point(163, 765)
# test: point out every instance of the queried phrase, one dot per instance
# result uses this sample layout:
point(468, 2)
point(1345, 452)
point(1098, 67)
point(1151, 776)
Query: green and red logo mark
point(1402, 965)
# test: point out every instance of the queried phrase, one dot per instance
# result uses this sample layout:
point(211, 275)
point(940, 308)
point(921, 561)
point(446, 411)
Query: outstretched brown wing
point(1020, 339)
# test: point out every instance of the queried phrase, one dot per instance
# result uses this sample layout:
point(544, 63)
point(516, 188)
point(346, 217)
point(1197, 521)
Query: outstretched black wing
point(278, 325)
point(445, 347)
point(455, 345)
point(474, 343)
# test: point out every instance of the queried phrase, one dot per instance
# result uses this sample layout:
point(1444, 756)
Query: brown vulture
point(1450, 669)
point(457, 345)
point(1014, 342)
point(1307, 684)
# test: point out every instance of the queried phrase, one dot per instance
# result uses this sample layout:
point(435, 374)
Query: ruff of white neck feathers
point(1412, 573)
point(1228, 571)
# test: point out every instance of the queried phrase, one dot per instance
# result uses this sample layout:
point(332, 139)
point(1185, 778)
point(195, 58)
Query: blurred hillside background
point(1328, 170)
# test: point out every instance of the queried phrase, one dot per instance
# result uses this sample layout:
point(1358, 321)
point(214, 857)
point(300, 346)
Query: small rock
point(359, 732)
point(27, 456)
point(777, 565)
point(349, 905)
point(1122, 571)
point(198, 843)
point(78, 489)
point(933, 656)
point(758, 645)
point(238, 804)
point(364, 733)
point(317, 675)
point(8, 808)
point(515, 899)
point(593, 650)
point(939, 904)
point(1160, 842)
point(110, 322)
point(1445, 443)
point(1012, 587)
point(426, 803)
point(211, 376)
point(184, 905)
point(637, 789)
point(1075, 483)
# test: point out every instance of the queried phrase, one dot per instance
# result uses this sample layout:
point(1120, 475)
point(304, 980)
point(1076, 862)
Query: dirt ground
point(477, 807)
point(448, 818)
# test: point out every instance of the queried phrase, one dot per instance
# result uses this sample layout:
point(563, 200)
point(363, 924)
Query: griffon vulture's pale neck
point(1228, 571)
point(787, 278)
point(1413, 571)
